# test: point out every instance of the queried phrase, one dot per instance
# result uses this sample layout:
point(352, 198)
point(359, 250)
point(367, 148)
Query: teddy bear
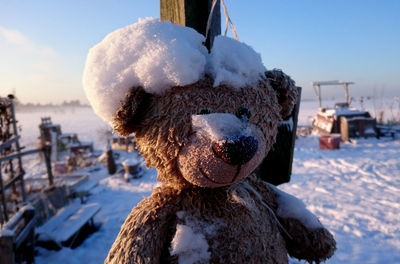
point(205, 131)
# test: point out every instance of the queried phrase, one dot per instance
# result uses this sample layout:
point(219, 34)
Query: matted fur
point(165, 121)
point(250, 232)
point(248, 236)
point(318, 245)
point(285, 87)
point(244, 213)
point(131, 110)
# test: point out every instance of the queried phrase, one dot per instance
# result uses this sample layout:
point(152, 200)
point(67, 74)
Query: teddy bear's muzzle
point(222, 150)
point(236, 150)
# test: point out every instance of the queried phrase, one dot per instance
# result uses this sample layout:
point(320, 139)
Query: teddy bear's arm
point(305, 236)
point(146, 233)
point(308, 243)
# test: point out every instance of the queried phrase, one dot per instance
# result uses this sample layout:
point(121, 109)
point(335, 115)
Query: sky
point(44, 43)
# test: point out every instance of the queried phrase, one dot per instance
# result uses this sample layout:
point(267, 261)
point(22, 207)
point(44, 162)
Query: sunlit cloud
point(13, 36)
point(35, 70)
point(16, 38)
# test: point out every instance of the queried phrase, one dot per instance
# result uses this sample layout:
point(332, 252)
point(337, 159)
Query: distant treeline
point(72, 103)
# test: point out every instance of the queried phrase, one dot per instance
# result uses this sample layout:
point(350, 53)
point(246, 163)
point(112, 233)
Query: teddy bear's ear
point(131, 111)
point(286, 90)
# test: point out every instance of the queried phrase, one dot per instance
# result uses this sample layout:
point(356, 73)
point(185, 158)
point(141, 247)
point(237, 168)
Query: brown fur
point(282, 84)
point(243, 214)
point(312, 245)
point(165, 122)
point(250, 236)
point(251, 233)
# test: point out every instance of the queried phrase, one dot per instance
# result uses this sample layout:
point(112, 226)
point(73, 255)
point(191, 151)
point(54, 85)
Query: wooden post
point(276, 168)
point(47, 159)
point(3, 199)
point(18, 149)
point(194, 14)
point(111, 166)
point(7, 249)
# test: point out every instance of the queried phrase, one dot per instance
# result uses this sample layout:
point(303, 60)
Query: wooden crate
point(331, 141)
point(356, 127)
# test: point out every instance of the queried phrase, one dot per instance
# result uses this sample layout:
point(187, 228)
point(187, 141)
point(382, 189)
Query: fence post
point(18, 149)
point(7, 249)
point(46, 151)
point(194, 14)
point(3, 198)
point(276, 168)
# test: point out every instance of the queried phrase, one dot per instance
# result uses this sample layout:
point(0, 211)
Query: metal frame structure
point(317, 89)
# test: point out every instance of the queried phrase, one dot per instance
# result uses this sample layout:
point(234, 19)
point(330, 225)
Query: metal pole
point(346, 91)
point(319, 96)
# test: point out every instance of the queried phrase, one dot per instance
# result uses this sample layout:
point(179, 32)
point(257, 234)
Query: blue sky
point(43, 43)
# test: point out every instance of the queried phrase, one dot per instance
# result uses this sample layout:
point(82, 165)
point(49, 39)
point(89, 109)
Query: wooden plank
point(19, 177)
point(67, 222)
point(75, 222)
point(50, 229)
point(9, 142)
point(173, 11)
point(194, 14)
point(18, 155)
point(21, 225)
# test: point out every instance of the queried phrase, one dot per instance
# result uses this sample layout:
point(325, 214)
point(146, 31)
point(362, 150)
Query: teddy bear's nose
point(236, 150)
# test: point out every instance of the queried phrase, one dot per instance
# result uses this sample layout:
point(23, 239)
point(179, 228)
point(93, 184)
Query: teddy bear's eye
point(243, 112)
point(205, 111)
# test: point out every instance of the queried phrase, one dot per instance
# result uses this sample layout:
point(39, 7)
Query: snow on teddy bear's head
point(234, 63)
point(157, 56)
point(150, 54)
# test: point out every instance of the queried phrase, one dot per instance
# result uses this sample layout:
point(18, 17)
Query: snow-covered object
point(291, 207)
point(157, 56)
point(189, 242)
point(130, 162)
point(234, 63)
point(150, 53)
point(6, 232)
point(218, 126)
point(190, 247)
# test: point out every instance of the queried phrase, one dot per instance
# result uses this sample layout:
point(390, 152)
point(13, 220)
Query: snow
point(189, 242)
point(67, 222)
point(343, 111)
point(159, 55)
point(291, 207)
point(190, 247)
point(234, 63)
point(218, 126)
point(130, 162)
point(354, 191)
point(152, 54)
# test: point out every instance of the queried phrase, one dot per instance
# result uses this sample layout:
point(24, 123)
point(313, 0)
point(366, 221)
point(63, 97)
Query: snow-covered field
point(355, 191)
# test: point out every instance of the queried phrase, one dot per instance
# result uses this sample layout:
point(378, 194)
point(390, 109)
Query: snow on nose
point(220, 126)
point(231, 137)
